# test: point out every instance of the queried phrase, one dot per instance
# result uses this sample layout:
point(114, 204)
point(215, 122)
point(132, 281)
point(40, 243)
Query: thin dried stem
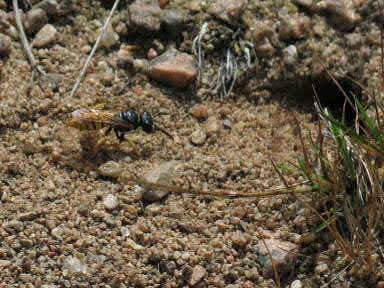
point(94, 48)
point(274, 268)
point(197, 49)
point(300, 188)
point(24, 40)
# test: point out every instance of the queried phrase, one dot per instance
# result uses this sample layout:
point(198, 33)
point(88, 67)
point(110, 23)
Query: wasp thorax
point(146, 122)
point(131, 117)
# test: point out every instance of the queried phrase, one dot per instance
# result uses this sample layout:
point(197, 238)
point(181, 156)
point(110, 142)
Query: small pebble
point(5, 263)
point(110, 169)
point(200, 112)
point(152, 54)
point(321, 269)
point(51, 7)
point(45, 37)
point(145, 15)
point(198, 273)
point(110, 202)
point(133, 245)
point(296, 284)
point(198, 137)
point(13, 226)
point(239, 240)
point(5, 45)
point(34, 20)
point(109, 39)
point(74, 265)
point(227, 123)
point(212, 126)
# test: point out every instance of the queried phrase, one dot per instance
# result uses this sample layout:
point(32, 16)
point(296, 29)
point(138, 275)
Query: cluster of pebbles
point(71, 214)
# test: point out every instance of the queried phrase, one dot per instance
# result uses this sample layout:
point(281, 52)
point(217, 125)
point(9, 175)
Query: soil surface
point(71, 212)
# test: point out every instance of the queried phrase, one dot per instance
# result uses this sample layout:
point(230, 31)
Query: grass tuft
point(344, 167)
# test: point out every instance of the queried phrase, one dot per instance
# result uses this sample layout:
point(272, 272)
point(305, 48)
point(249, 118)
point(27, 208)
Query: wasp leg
point(108, 130)
point(119, 135)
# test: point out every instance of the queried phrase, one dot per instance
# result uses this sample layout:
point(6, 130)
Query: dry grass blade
point(274, 268)
point(94, 48)
point(300, 188)
point(197, 48)
point(24, 40)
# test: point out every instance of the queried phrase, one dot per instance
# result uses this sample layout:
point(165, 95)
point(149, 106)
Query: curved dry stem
point(24, 40)
point(94, 48)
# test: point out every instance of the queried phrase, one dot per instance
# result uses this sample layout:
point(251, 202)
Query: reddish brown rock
point(174, 68)
point(200, 112)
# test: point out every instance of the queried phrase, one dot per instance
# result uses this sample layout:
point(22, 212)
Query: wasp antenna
point(163, 131)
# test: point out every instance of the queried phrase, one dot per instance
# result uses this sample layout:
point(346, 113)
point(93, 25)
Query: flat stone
point(161, 175)
point(174, 68)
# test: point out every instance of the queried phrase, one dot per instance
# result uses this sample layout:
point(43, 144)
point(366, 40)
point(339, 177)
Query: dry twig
point(24, 40)
point(94, 48)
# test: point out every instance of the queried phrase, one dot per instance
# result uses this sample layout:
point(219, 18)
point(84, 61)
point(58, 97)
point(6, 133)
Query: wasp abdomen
point(131, 117)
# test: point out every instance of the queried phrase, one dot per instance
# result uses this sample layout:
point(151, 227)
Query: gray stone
point(160, 175)
point(283, 254)
point(110, 202)
point(198, 273)
point(45, 37)
point(74, 265)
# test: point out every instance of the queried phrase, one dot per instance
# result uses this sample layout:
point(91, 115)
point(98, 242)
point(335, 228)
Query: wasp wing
point(97, 119)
